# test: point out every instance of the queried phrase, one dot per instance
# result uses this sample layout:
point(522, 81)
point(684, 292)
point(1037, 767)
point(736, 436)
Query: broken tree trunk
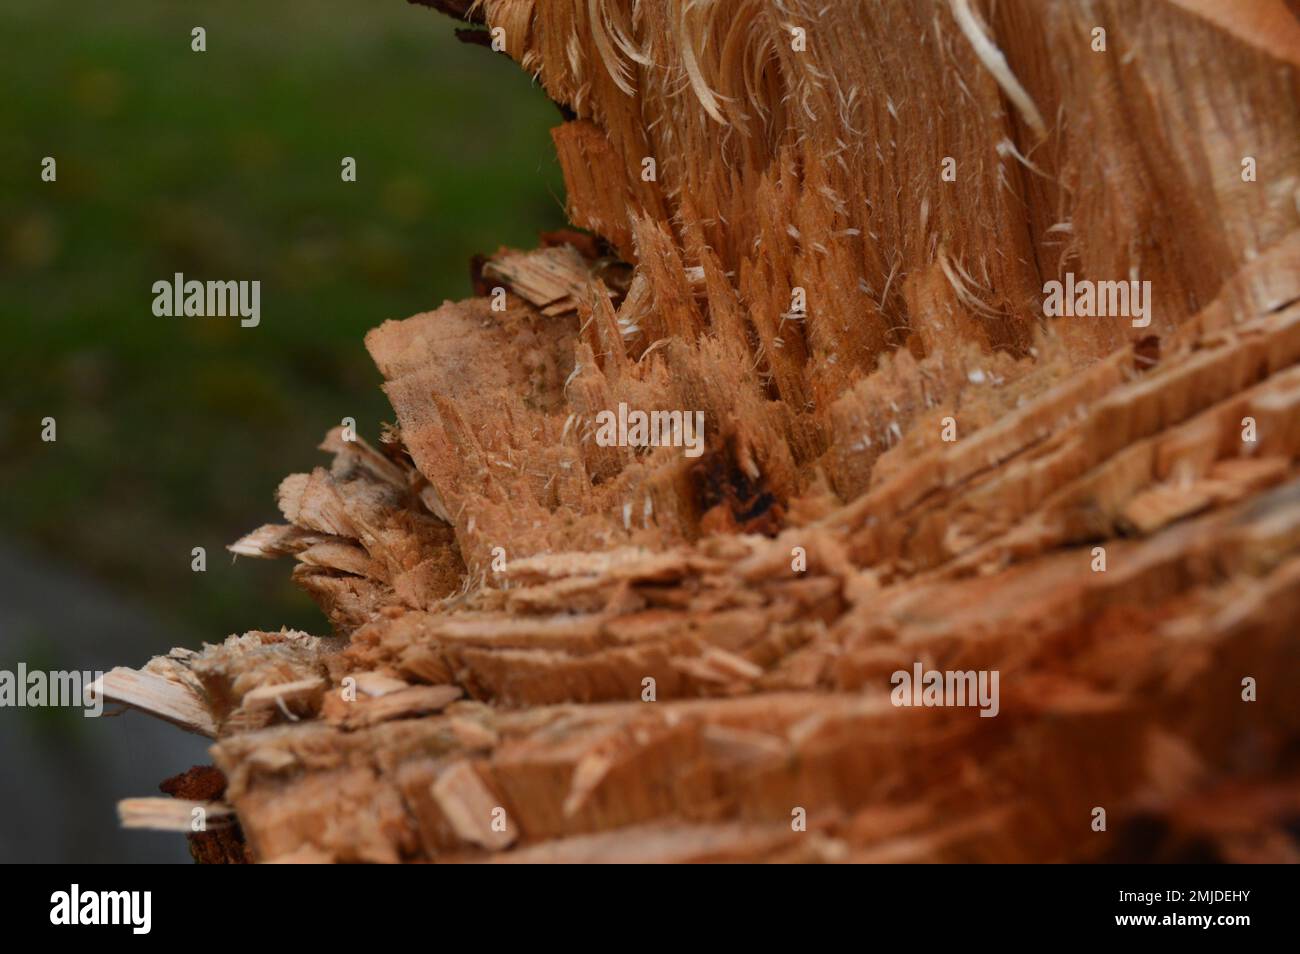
point(830, 230)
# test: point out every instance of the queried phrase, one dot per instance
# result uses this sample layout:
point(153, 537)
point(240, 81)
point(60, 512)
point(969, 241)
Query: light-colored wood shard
point(471, 809)
point(553, 279)
point(160, 697)
point(172, 814)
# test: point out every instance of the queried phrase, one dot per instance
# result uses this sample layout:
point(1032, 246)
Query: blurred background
point(174, 432)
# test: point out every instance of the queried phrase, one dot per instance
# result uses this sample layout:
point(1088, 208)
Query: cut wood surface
point(549, 649)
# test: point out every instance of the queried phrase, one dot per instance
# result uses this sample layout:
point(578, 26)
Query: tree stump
point(899, 466)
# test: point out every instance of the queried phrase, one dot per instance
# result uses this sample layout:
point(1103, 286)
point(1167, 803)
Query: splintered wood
point(960, 573)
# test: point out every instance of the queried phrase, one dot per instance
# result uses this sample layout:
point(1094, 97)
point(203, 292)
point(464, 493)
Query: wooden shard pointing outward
point(829, 228)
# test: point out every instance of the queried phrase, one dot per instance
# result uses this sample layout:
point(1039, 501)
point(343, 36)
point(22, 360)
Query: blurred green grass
point(174, 432)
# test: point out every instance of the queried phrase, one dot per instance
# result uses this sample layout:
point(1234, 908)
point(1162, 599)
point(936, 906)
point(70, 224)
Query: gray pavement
point(61, 774)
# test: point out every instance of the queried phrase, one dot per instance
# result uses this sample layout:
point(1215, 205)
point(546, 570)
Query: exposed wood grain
point(550, 649)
